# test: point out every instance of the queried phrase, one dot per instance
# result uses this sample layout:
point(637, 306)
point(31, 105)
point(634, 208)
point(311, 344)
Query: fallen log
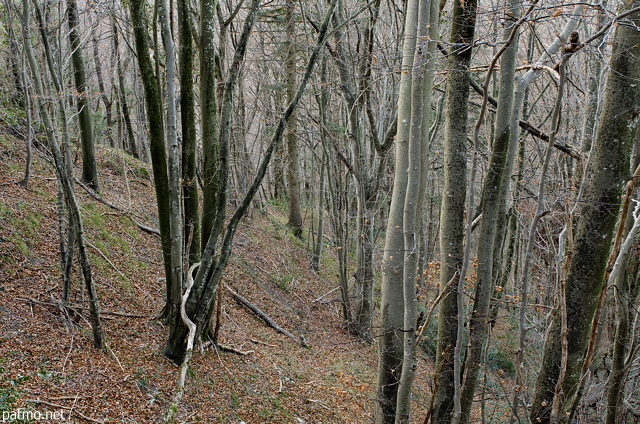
point(270, 322)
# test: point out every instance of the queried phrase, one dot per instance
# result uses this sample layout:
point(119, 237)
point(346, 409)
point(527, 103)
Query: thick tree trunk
point(293, 149)
point(89, 170)
point(453, 205)
point(154, 109)
point(208, 117)
point(596, 222)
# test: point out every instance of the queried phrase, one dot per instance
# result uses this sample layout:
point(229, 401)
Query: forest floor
point(48, 363)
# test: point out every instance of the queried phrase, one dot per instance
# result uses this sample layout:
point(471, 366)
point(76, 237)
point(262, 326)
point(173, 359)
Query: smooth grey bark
point(593, 91)
point(176, 229)
point(390, 342)
point(85, 120)
point(452, 209)
point(421, 89)
point(601, 201)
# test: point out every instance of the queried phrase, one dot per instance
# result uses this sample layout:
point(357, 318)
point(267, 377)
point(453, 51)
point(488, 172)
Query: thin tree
point(390, 343)
point(422, 80)
point(218, 248)
point(154, 109)
point(65, 180)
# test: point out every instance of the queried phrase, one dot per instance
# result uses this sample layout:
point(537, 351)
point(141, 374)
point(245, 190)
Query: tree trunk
point(89, 170)
point(65, 182)
point(493, 203)
point(131, 146)
point(453, 205)
point(188, 124)
point(390, 349)
point(213, 265)
point(103, 92)
point(416, 150)
point(208, 118)
point(293, 150)
point(154, 109)
point(175, 186)
point(625, 284)
point(596, 222)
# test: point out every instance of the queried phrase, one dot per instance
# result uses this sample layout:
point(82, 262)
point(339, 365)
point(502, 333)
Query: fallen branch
point(238, 298)
point(76, 308)
point(145, 228)
point(325, 295)
point(227, 348)
point(262, 343)
point(101, 199)
point(105, 258)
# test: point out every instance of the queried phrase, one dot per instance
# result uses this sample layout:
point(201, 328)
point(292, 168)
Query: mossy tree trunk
point(188, 124)
point(208, 117)
point(154, 109)
point(595, 225)
point(218, 247)
point(493, 203)
point(89, 169)
point(453, 205)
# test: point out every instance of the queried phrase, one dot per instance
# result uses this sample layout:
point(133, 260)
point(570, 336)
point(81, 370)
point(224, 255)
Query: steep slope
point(46, 358)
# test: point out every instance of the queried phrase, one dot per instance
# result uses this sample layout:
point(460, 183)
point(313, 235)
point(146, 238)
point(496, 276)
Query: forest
point(281, 211)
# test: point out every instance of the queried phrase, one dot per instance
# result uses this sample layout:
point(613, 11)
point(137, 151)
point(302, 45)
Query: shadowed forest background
point(342, 211)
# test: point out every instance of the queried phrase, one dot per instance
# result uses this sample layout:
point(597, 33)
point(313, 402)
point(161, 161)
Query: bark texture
point(601, 202)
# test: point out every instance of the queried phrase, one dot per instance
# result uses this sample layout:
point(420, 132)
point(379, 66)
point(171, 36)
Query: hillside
point(47, 361)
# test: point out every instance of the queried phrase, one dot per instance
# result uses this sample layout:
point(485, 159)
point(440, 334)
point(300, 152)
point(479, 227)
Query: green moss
point(92, 215)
